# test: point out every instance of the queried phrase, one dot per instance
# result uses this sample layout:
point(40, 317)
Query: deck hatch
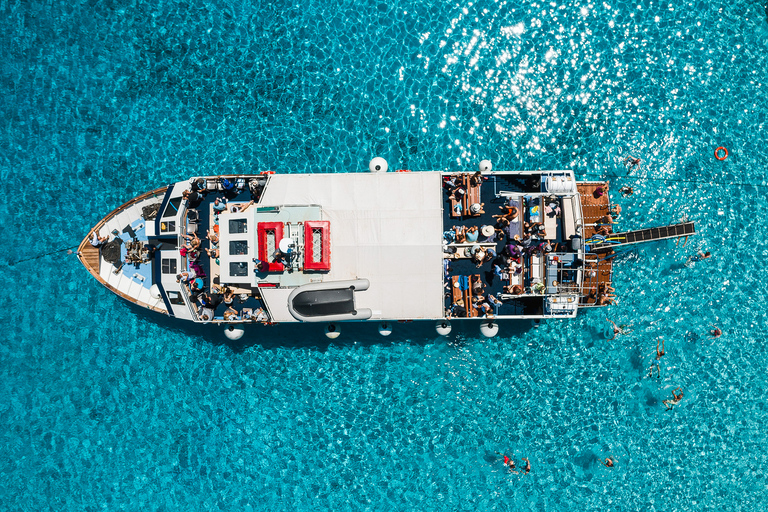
point(317, 245)
point(270, 234)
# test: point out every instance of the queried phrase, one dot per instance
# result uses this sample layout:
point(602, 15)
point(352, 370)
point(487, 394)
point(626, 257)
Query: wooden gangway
point(613, 240)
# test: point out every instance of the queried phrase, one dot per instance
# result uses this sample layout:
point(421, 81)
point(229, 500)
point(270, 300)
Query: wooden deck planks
point(89, 255)
point(593, 209)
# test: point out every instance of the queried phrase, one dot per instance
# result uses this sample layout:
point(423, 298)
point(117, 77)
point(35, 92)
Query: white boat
point(374, 246)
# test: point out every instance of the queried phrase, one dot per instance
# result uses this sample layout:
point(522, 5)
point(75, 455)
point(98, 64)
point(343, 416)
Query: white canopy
point(385, 227)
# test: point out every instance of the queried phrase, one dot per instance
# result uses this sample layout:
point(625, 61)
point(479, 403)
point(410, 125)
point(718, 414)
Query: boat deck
point(461, 272)
point(123, 225)
point(201, 219)
point(595, 209)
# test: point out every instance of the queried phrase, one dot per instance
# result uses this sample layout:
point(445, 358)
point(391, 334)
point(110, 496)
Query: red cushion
point(270, 229)
point(320, 261)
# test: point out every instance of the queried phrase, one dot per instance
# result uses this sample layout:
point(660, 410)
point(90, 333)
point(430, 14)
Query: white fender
point(378, 164)
point(332, 331)
point(443, 327)
point(233, 333)
point(489, 329)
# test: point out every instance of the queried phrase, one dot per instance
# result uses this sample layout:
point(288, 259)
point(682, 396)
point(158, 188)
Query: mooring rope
point(12, 263)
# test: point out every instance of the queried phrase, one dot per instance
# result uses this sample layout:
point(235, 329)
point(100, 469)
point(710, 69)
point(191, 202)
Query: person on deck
point(241, 208)
point(482, 307)
point(193, 197)
point(457, 193)
point(196, 285)
point(479, 257)
point(193, 241)
point(186, 276)
point(229, 296)
point(231, 314)
point(458, 309)
point(213, 237)
point(219, 206)
point(97, 240)
point(495, 303)
point(461, 236)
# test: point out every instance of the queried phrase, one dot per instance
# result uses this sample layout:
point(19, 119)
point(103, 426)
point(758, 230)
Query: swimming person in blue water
point(619, 329)
point(698, 257)
point(659, 352)
point(631, 161)
point(509, 463)
point(676, 400)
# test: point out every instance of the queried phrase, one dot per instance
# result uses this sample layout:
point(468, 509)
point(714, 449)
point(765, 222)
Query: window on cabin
point(173, 207)
point(175, 298)
point(168, 266)
point(238, 247)
point(238, 269)
point(238, 226)
point(168, 226)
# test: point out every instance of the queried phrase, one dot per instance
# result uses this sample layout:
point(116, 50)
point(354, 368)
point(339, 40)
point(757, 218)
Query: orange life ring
point(717, 151)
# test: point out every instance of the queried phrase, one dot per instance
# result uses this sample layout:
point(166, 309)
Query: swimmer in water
point(626, 191)
point(527, 467)
point(698, 257)
point(509, 463)
point(608, 462)
point(631, 161)
point(715, 332)
point(676, 400)
point(659, 352)
point(619, 329)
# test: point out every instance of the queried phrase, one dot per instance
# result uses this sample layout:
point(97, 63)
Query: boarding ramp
point(613, 240)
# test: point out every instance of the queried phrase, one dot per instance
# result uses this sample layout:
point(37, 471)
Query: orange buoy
point(403, 170)
point(717, 153)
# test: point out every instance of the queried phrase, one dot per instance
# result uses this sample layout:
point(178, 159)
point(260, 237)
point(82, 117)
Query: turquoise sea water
point(105, 407)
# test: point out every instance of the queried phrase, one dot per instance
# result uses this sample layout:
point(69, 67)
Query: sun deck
point(545, 275)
